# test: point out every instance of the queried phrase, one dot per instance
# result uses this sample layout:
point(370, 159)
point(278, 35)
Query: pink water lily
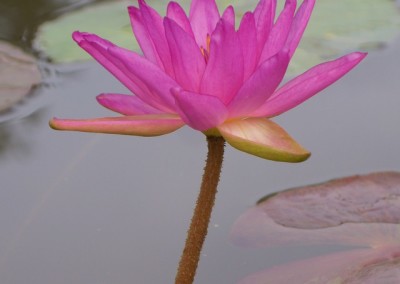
point(201, 71)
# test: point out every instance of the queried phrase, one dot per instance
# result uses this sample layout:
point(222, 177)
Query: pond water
point(91, 208)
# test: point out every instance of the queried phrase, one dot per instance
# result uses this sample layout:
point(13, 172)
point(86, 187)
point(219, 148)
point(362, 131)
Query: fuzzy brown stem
point(202, 213)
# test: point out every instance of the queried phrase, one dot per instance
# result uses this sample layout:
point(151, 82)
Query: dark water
point(85, 208)
point(20, 18)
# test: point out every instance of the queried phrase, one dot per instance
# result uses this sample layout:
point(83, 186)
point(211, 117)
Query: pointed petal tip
point(310, 2)
point(290, 2)
point(60, 124)
point(77, 36)
point(53, 123)
point(301, 155)
point(263, 138)
point(132, 9)
point(143, 4)
point(359, 54)
point(308, 84)
point(354, 57)
point(101, 97)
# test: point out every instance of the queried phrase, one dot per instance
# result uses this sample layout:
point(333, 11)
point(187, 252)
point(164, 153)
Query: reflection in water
point(18, 74)
point(19, 19)
point(354, 211)
point(14, 136)
point(358, 266)
point(68, 171)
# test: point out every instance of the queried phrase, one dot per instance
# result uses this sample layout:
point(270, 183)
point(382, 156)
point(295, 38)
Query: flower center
point(206, 51)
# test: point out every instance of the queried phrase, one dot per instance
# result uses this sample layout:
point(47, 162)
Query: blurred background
point(91, 208)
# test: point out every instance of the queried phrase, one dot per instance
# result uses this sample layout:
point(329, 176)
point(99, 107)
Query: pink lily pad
point(359, 211)
point(374, 198)
point(18, 74)
point(360, 266)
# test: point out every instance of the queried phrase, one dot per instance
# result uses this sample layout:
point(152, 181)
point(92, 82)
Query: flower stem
point(202, 213)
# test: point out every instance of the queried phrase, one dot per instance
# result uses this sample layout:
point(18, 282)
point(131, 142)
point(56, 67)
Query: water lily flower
point(202, 71)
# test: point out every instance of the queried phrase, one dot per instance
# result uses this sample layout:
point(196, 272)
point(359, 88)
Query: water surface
point(91, 208)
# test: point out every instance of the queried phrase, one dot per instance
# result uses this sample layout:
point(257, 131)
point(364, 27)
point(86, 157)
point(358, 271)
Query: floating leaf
point(108, 20)
point(357, 210)
point(358, 199)
point(18, 73)
point(335, 28)
point(361, 266)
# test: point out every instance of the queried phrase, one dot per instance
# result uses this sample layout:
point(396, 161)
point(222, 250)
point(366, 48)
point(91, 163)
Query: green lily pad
point(336, 27)
point(18, 74)
point(109, 20)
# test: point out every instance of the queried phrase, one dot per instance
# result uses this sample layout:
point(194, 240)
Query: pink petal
point(229, 15)
point(142, 125)
point(264, 15)
point(280, 31)
point(204, 17)
point(224, 72)
point(157, 81)
point(155, 28)
point(299, 24)
point(187, 60)
point(260, 86)
point(142, 36)
point(98, 49)
point(264, 4)
point(175, 12)
point(308, 84)
point(263, 138)
point(248, 37)
point(126, 104)
point(200, 111)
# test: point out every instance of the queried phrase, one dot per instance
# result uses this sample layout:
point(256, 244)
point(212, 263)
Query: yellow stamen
point(208, 40)
point(206, 51)
point(203, 51)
